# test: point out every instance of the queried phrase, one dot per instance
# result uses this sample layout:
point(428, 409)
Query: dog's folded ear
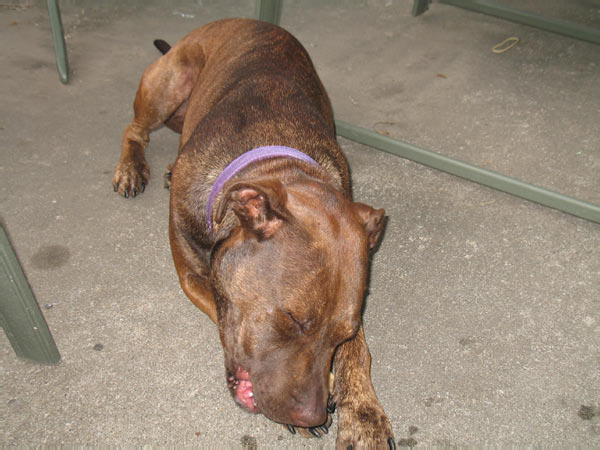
point(373, 221)
point(258, 204)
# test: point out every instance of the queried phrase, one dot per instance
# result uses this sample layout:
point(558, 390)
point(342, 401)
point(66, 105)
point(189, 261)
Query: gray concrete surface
point(483, 314)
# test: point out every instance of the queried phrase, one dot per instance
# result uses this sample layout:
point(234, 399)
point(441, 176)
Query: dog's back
point(257, 80)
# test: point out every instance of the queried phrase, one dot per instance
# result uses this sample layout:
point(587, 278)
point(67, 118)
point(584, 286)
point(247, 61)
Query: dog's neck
point(242, 161)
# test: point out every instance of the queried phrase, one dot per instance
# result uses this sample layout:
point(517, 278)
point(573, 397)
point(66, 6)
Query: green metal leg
point(58, 37)
point(545, 23)
point(268, 10)
point(20, 315)
point(419, 7)
point(470, 172)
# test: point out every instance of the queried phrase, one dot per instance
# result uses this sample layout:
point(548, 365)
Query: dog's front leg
point(362, 422)
point(191, 269)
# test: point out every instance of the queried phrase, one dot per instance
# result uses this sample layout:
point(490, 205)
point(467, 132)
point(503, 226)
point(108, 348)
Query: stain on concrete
point(387, 90)
point(433, 401)
point(470, 345)
point(36, 65)
point(50, 257)
point(588, 412)
point(249, 442)
point(467, 341)
point(408, 442)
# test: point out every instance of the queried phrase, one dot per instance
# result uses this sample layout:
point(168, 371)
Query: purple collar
point(271, 151)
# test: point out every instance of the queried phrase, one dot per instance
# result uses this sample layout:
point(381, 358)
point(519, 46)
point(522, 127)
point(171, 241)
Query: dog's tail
point(162, 46)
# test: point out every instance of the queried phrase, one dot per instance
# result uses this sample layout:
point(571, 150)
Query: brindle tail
point(162, 46)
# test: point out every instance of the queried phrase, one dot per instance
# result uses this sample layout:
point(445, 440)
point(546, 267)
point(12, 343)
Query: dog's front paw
point(131, 177)
point(363, 426)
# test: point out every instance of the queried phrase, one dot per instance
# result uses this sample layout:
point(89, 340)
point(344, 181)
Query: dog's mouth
point(242, 390)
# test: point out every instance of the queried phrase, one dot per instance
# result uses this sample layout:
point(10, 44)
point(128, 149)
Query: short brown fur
point(284, 271)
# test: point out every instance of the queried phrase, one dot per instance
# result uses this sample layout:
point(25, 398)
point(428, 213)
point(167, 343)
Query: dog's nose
point(308, 417)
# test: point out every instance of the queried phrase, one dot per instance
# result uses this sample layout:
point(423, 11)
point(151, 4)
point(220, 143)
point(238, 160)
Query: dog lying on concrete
point(265, 237)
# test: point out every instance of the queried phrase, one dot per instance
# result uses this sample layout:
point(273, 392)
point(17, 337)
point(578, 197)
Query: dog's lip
point(242, 389)
point(242, 374)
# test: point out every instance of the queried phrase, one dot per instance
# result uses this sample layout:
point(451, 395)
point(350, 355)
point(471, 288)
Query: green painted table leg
point(268, 10)
point(526, 18)
point(419, 7)
point(58, 37)
point(20, 315)
point(470, 172)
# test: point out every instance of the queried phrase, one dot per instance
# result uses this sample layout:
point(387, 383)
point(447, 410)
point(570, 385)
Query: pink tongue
point(245, 395)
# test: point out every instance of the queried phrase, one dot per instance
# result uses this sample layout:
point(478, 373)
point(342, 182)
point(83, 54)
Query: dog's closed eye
point(305, 325)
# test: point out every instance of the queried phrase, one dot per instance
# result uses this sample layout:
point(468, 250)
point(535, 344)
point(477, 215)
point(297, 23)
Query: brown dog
point(265, 237)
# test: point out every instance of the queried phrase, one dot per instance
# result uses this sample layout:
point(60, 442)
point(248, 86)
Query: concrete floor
point(483, 314)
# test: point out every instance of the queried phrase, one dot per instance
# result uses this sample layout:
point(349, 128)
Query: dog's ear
point(258, 204)
point(372, 220)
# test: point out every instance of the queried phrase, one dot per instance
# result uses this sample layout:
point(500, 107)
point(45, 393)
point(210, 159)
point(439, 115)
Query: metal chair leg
point(268, 10)
point(20, 315)
point(58, 37)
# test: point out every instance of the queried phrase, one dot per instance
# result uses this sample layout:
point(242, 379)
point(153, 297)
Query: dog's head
point(289, 283)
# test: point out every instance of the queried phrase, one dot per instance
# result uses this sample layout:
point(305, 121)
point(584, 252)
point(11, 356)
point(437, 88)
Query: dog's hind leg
point(161, 99)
